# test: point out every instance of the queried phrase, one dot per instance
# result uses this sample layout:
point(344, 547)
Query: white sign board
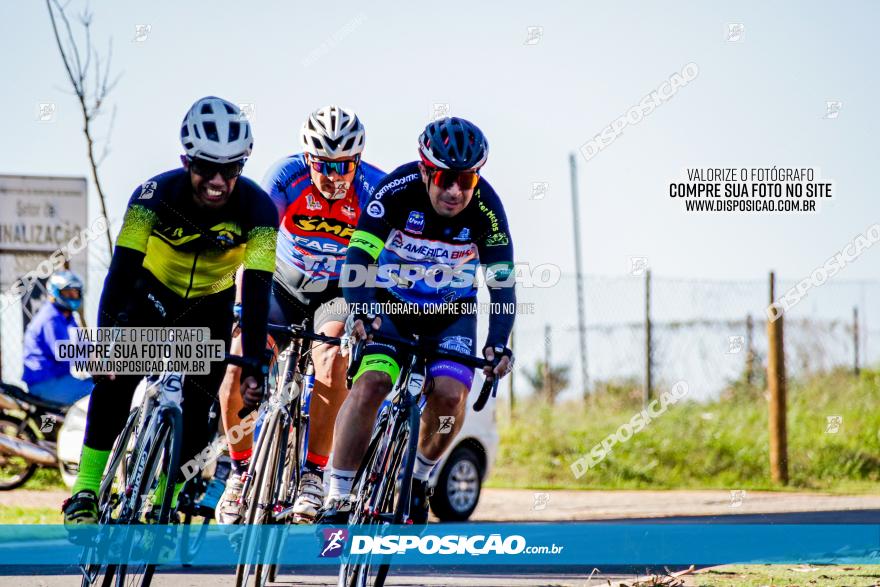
point(39, 216)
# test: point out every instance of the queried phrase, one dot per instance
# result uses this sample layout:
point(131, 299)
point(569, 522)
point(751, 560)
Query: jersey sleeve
point(259, 264)
point(277, 180)
point(495, 247)
point(140, 217)
point(262, 231)
point(131, 248)
point(493, 241)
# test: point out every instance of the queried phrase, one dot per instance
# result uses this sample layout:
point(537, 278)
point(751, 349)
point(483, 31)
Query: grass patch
point(788, 575)
point(45, 478)
point(19, 515)
point(718, 445)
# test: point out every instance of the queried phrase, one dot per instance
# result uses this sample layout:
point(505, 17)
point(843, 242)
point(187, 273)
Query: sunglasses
point(208, 169)
point(337, 167)
point(444, 178)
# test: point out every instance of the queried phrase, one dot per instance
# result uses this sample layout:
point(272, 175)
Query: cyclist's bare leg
point(329, 392)
point(356, 419)
point(240, 436)
point(448, 398)
point(327, 396)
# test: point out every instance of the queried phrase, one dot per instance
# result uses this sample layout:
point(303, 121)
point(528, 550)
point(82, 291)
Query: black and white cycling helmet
point(215, 130)
point(333, 132)
point(453, 143)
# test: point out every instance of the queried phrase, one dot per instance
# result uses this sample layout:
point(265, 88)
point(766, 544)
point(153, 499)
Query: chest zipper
point(192, 275)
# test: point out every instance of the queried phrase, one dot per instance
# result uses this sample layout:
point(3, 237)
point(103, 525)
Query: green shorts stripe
point(380, 363)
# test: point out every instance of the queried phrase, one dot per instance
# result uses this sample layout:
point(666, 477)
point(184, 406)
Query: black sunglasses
point(209, 169)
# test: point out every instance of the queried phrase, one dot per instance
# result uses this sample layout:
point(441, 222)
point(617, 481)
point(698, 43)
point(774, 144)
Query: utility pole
point(582, 321)
point(750, 351)
point(547, 390)
point(649, 382)
point(776, 384)
point(511, 374)
point(856, 340)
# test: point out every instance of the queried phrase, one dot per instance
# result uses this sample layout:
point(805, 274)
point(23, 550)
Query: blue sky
point(756, 102)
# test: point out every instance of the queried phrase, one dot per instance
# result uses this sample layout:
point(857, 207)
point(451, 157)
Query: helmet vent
point(211, 131)
point(234, 131)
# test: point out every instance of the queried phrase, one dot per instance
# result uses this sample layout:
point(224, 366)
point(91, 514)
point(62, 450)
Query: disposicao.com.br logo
point(334, 542)
point(449, 544)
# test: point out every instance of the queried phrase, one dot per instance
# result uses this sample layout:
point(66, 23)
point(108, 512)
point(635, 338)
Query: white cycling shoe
point(310, 498)
point(229, 510)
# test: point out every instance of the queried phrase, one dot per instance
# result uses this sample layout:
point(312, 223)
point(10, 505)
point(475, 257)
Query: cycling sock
point(241, 460)
point(423, 467)
point(240, 467)
point(160, 489)
point(91, 469)
point(315, 463)
point(340, 482)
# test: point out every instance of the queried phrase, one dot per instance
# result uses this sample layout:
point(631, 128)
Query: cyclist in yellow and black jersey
point(184, 235)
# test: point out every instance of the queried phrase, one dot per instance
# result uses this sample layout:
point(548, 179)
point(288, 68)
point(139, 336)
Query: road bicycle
point(383, 482)
point(148, 447)
point(271, 483)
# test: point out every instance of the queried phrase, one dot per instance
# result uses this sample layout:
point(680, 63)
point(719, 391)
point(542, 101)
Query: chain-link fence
point(708, 333)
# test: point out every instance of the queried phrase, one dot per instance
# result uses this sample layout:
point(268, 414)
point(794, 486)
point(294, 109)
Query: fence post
point(750, 351)
point(856, 340)
point(510, 375)
point(546, 374)
point(776, 384)
point(649, 385)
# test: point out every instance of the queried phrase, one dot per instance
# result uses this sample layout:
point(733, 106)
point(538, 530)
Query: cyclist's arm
point(256, 282)
point(276, 181)
point(495, 248)
point(128, 258)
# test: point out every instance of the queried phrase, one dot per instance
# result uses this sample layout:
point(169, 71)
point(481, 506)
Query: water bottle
point(258, 425)
point(218, 483)
point(308, 385)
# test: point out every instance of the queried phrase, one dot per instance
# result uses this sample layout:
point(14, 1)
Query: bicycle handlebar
point(295, 330)
point(426, 348)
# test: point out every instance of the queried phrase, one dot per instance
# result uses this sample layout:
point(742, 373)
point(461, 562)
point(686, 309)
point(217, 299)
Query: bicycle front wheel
point(375, 502)
point(162, 457)
point(260, 502)
point(110, 498)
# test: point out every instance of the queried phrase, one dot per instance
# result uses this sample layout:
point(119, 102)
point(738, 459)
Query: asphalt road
point(660, 507)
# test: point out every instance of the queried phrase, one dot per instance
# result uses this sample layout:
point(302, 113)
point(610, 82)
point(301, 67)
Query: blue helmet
point(61, 280)
point(453, 143)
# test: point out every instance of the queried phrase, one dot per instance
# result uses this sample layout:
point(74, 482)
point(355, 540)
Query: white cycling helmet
point(332, 131)
point(215, 130)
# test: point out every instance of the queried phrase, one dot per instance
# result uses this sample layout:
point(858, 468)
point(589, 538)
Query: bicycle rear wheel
point(290, 479)
point(401, 508)
point(375, 497)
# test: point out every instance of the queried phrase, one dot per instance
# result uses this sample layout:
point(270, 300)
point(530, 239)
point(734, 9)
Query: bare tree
point(91, 83)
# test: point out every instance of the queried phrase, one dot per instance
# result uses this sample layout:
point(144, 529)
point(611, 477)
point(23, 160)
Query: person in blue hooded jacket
point(48, 378)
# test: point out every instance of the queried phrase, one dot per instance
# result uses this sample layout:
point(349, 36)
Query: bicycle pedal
point(279, 512)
